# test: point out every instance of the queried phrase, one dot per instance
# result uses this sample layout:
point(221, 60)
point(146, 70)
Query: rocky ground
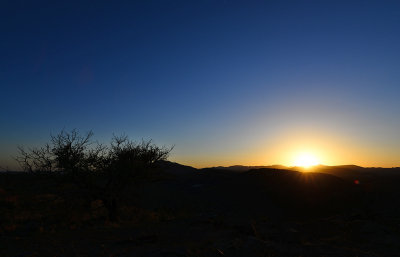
point(204, 213)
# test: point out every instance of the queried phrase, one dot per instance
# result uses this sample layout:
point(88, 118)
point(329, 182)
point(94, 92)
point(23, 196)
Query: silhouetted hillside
point(343, 171)
point(175, 168)
point(242, 168)
point(206, 212)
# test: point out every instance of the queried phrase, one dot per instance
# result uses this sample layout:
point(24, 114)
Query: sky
point(226, 82)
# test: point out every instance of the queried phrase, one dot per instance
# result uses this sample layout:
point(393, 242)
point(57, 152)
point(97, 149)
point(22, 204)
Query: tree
point(102, 172)
point(127, 161)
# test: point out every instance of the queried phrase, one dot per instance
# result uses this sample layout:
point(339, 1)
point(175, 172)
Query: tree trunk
point(112, 208)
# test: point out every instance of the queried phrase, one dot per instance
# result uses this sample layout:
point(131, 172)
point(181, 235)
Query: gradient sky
point(226, 82)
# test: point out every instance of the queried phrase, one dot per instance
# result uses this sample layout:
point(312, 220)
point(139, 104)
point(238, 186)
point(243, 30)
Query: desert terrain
point(223, 211)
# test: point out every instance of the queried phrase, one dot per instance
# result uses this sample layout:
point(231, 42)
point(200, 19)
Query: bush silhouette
point(102, 172)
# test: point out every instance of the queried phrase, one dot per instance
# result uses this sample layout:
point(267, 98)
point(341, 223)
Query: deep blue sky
point(227, 82)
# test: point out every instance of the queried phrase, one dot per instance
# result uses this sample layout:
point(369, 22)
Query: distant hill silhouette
point(175, 168)
point(344, 171)
point(242, 168)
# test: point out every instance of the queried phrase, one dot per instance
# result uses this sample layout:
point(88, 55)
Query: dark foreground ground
point(186, 212)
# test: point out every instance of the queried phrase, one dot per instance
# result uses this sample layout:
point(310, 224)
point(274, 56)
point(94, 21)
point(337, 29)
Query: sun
point(306, 160)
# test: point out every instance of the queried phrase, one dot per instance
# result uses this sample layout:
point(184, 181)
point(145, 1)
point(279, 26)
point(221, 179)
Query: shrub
point(102, 172)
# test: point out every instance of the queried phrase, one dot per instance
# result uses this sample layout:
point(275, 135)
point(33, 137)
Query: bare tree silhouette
point(102, 172)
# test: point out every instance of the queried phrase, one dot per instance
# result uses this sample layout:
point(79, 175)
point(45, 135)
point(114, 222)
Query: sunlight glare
point(306, 160)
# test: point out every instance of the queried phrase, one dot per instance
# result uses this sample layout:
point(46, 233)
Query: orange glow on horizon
point(305, 160)
point(286, 148)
